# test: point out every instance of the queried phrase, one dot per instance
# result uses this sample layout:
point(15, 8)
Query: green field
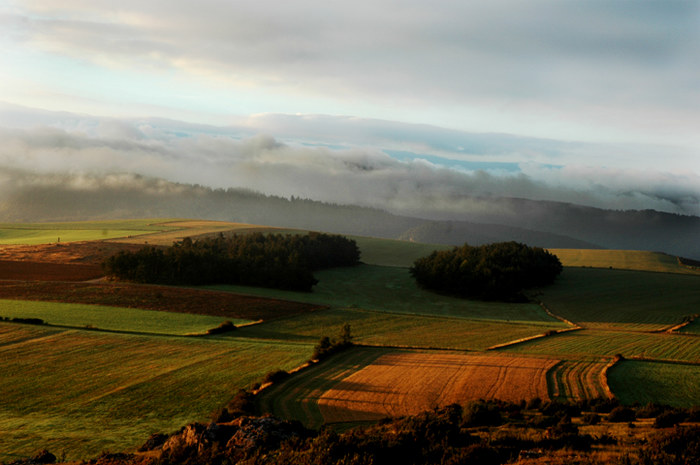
point(387, 252)
point(629, 299)
point(644, 382)
point(392, 289)
point(602, 343)
point(45, 233)
point(83, 392)
point(392, 329)
point(111, 318)
point(640, 260)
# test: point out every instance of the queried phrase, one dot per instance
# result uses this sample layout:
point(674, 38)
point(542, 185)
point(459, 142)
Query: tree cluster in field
point(499, 271)
point(267, 260)
point(327, 346)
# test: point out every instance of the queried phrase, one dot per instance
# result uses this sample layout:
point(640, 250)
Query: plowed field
point(407, 383)
point(34, 271)
point(170, 299)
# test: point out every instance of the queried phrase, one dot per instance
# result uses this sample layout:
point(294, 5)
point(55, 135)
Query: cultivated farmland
point(675, 384)
point(83, 390)
point(407, 382)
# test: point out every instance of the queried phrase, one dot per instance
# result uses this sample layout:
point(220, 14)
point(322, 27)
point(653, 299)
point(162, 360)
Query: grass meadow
point(111, 318)
point(602, 343)
point(391, 289)
point(397, 330)
point(640, 260)
point(84, 392)
point(670, 383)
point(600, 298)
point(45, 233)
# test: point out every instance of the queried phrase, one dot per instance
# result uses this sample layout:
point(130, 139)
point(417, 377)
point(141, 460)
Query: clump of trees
point(499, 271)
point(267, 260)
point(327, 346)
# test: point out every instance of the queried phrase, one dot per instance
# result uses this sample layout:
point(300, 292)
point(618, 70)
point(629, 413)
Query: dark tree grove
point(268, 260)
point(499, 271)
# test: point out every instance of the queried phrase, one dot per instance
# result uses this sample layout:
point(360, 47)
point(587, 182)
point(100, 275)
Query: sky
point(407, 104)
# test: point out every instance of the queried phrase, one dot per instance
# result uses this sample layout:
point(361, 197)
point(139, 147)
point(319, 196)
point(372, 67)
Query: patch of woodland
point(499, 271)
point(282, 261)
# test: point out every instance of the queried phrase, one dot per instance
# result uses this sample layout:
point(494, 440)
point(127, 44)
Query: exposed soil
point(164, 298)
point(35, 271)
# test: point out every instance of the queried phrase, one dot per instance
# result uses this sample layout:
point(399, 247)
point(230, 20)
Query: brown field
point(86, 252)
point(164, 298)
point(35, 271)
point(408, 383)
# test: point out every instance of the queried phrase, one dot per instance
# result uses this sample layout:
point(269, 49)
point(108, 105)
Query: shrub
point(224, 327)
point(481, 413)
point(276, 376)
point(621, 414)
point(669, 418)
point(591, 419)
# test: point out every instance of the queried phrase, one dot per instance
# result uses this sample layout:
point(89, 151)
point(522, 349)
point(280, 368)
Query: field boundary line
point(638, 358)
point(554, 315)
point(532, 338)
point(604, 376)
point(674, 329)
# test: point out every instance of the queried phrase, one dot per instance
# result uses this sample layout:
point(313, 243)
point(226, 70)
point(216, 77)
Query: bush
point(669, 418)
point(621, 414)
point(275, 376)
point(327, 346)
point(591, 419)
point(481, 413)
point(224, 327)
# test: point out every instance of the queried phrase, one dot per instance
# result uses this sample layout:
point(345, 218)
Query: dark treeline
point(499, 271)
point(268, 260)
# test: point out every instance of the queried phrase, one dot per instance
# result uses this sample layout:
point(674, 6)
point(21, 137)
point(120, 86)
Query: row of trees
point(499, 271)
point(268, 260)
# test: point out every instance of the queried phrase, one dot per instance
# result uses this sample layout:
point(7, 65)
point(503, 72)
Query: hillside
point(537, 223)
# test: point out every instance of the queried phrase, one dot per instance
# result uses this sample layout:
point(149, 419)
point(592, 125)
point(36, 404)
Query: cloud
point(537, 66)
point(355, 172)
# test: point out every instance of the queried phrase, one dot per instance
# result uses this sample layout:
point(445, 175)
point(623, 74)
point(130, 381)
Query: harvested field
point(641, 260)
point(35, 271)
point(407, 383)
point(164, 298)
point(573, 380)
point(86, 252)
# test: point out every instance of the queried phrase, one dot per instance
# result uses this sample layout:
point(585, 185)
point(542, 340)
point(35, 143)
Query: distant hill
point(538, 223)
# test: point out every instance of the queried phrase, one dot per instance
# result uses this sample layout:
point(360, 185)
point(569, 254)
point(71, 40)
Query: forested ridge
point(268, 260)
point(499, 271)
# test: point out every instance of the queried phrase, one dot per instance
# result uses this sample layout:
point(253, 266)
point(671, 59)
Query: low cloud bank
point(76, 151)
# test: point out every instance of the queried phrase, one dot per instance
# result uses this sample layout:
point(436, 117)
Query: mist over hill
point(538, 223)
